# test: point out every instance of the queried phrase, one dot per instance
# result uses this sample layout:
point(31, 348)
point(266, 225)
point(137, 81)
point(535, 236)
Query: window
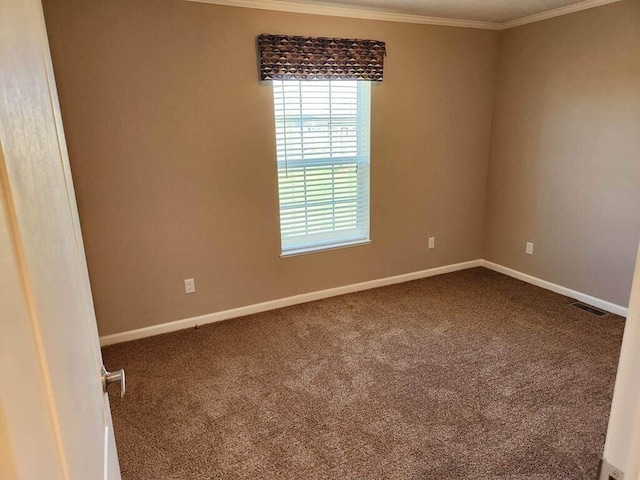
point(322, 138)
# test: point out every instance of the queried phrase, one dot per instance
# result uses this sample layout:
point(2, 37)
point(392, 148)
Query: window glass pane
point(322, 141)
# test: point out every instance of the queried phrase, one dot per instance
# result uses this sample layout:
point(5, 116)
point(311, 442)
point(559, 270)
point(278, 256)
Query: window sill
point(324, 248)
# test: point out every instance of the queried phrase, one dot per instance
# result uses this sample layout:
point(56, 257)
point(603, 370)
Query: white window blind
point(322, 138)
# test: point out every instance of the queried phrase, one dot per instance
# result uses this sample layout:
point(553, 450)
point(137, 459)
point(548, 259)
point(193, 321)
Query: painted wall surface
point(172, 148)
point(565, 162)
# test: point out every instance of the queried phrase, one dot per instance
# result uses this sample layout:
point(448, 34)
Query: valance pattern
point(285, 57)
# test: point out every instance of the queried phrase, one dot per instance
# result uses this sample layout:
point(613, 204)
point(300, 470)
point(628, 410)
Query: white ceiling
point(494, 11)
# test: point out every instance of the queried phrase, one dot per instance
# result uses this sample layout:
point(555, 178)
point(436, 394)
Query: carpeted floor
point(470, 375)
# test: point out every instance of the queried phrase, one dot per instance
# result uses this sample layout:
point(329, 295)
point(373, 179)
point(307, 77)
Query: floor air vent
point(589, 309)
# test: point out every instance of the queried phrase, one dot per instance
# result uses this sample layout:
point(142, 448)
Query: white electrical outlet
point(529, 249)
point(189, 285)
point(432, 242)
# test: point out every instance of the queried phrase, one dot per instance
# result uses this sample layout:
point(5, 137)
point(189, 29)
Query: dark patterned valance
point(285, 57)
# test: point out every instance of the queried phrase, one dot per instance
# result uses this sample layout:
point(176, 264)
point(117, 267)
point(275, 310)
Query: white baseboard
point(356, 287)
point(279, 303)
point(582, 297)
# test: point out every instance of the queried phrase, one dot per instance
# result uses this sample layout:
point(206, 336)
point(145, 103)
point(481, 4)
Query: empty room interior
point(357, 239)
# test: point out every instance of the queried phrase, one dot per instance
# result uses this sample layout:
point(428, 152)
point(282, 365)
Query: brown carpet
point(470, 375)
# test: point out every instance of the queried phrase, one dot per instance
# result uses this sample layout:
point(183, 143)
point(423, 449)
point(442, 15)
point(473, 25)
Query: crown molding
point(313, 9)
point(557, 12)
point(352, 13)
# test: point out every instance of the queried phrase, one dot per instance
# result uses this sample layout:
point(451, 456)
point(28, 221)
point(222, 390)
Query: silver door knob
point(114, 377)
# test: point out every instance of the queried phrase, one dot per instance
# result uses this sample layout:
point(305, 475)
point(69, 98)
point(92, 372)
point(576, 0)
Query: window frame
point(337, 238)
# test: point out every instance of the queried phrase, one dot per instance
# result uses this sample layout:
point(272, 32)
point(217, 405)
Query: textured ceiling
point(497, 11)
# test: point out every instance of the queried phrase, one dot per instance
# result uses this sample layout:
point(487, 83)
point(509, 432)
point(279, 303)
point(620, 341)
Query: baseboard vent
point(589, 309)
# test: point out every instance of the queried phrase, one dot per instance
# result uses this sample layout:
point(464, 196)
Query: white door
point(55, 421)
point(622, 448)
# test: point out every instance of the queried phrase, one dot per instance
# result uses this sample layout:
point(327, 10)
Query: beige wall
point(171, 139)
point(565, 162)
